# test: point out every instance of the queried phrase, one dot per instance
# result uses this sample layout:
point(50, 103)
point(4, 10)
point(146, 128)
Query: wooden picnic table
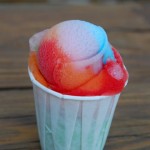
point(128, 28)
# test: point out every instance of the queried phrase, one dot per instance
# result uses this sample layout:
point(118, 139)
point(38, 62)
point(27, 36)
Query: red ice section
point(111, 80)
point(58, 69)
point(50, 56)
point(64, 78)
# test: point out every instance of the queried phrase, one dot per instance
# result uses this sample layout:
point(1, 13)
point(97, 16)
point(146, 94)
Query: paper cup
point(72, 122)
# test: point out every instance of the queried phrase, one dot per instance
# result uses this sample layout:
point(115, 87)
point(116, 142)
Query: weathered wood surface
point(128, 28)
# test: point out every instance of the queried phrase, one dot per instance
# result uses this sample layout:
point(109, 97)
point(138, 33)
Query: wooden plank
point(13, 61)
point(128, 30)
point(117, 17)
point(26, 20)
point(17, 121)
point(22, 1)
point(19, 131)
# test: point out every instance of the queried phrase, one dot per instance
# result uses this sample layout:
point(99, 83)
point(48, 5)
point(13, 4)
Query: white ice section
point(80, 39)
point(116, 72)
point(36, 39)
point(72, 122)
point(84, 43)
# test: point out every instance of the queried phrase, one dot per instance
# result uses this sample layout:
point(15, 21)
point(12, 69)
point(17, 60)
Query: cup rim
point(64, 96)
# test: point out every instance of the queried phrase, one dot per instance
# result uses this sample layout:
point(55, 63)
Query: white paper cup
point(72, 122)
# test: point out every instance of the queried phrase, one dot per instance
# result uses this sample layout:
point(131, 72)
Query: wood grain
point(18, 126)
point(128, 28)
point(24, 22)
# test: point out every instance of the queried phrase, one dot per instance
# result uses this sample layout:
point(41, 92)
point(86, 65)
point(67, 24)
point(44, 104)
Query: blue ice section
point(105, 47)
point(108, 54)
point(100, 35)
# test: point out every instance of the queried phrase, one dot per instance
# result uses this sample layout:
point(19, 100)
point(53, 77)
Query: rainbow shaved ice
point(77, 79)
point(75, 58)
